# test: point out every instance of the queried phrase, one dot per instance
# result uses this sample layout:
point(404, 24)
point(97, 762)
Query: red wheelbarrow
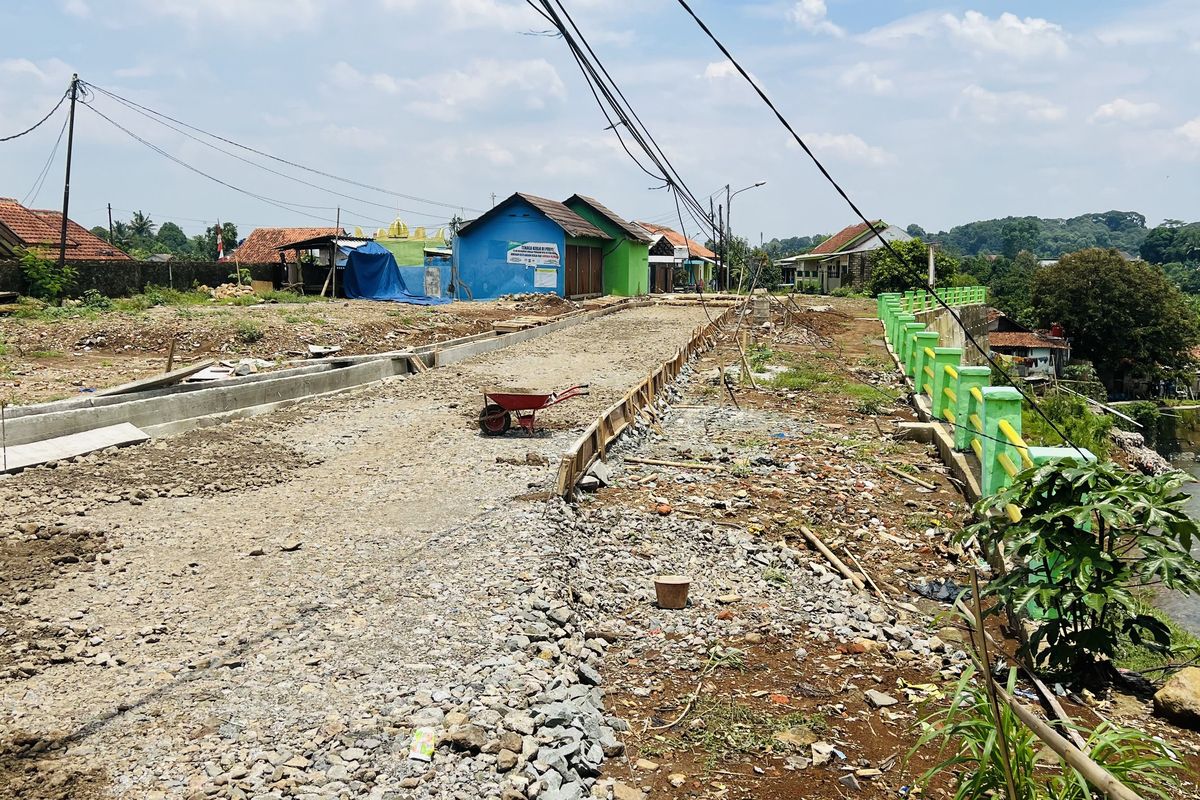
point(499, 407)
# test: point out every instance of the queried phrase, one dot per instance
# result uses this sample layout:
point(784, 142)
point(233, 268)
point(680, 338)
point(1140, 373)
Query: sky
point(928, 113)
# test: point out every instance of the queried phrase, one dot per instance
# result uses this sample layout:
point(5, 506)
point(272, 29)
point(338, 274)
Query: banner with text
point(536, 254)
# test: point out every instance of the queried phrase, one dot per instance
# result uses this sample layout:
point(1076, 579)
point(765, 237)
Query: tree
point(205, 247)
point(1020, 234)
point(172, 238)
point(100, 232)
point(890, 275)
point(122, 237)
point(1123, 315)
point(141, 226)
point(916, 231)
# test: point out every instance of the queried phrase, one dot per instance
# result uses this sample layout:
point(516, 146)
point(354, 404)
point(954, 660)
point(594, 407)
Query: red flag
point(220, 242)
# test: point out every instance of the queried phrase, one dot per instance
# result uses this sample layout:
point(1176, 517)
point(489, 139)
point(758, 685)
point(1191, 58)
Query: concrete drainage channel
point(65, 428)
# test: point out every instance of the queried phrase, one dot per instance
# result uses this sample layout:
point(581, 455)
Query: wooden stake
point(816, 542)
point(171, 355)
point(660, 462)
point(990, 684)
point(906, 476)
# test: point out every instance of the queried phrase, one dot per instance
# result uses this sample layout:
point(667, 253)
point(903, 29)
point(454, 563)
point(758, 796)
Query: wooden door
point(583, 271)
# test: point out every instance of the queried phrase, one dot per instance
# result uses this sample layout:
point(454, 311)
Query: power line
point(245, 160)
point(38, 124)
point(453, 206)
point(36, 189)
point(921, 279)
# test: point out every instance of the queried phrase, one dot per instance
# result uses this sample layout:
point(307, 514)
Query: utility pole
point(932, 268)
point(62, 244)
point(333, 253)
point(725, 234)
point(493, 199)
point(110, 232)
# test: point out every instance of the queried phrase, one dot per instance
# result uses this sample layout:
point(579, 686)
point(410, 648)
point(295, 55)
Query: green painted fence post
point(1000, 403)
point(923, 344)
point(881, 302)
point(895, 336)
point(943, 357)
point(908, 303)
point(907, 337)
point(966, 405)
point(891, 310)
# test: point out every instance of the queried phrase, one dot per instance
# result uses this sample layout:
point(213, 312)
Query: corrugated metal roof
point(633, 230)
point(679, 240)
point(558, 213)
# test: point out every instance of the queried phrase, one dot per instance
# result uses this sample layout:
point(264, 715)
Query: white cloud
point(1122, 110)
point(988, 106)
point(847, 147)
point(1008, 34)
point(49, 71)
point(463, 14)
point(1190, 131)
point(77, 8)
point(1031, 37)
point(354, 136)
point(720, 69)
point(271, 17)
point(812, 16)
point(862, 76)
point(448, 95)
point(139, 71)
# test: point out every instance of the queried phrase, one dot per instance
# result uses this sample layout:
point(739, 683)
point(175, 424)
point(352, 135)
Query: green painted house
point(627, 256)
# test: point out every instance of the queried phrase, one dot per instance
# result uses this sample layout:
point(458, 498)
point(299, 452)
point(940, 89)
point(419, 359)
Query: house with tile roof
point(843, 259)
point(525, 244)
point(671, 252)
point(40, 231)
point(627, 259)
point(1032, 352)
point(264, 245)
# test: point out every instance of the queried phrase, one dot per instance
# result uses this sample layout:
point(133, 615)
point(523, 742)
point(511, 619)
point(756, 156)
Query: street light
point(729, 219)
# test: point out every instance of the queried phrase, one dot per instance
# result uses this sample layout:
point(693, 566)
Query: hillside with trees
point(1044, 237)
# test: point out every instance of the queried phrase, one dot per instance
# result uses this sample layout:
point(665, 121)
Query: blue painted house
point(529, 244)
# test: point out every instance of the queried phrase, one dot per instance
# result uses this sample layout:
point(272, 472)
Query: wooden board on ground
point(23, 456)
point(158, 381)
point(9, 308)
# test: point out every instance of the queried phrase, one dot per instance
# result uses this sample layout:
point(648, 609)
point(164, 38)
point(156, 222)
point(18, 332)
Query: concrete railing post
point(895, 335)
point(909, 334)
point(881, 302)
point(1000, 403)
point(1045, 455)
point(923, 345)
point(967, 406)
point(908, 304)
point(943, 357)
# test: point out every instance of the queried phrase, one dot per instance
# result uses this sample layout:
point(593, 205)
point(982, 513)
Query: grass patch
point(282, 296)
point(809, 375)
point(46, 354)
point(248, 332)
point(3, 348)
point(732, 730)
point(759, 356)
point(404, 318)
point(776, 576)
point(1184, 646)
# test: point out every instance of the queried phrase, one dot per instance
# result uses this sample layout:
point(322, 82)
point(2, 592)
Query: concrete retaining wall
point(974, 318)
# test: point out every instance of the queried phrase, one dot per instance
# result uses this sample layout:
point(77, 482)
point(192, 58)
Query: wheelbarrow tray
point(519, 401)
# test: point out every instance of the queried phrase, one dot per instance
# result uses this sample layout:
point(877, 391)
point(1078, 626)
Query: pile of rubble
point(227, 291)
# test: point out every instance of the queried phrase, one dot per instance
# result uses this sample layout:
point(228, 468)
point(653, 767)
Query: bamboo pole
point(816, 542)
point(990, 684)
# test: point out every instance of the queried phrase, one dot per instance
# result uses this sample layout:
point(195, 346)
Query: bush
point(93, 299)
point(1091, 538)
point(968, 729)
point(249, 332)
point(1145, 414)
point(1072, 416)
point(47, 281)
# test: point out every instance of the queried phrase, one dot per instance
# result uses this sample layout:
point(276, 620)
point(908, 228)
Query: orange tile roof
point(679, 240)
point(261, 246)
point(844, 237)
point(1022, 339)
point(38, 230)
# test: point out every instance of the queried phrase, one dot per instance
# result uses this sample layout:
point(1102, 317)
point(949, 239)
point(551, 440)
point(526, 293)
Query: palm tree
point(141, 225)
point(121, 234)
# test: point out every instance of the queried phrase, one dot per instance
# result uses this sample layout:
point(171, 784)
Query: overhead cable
point(37, 124)
point(917, 276)
point(315, 171)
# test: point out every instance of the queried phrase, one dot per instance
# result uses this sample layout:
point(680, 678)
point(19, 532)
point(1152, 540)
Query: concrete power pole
point(932, 267)
point(62, 245)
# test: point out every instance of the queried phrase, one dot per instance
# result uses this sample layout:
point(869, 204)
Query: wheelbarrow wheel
point(494, 420)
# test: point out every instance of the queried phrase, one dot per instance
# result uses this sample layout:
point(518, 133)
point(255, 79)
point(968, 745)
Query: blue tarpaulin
point(372, 274)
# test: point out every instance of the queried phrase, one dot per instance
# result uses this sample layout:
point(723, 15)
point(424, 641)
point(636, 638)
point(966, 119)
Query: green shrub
point(249, 332)
point(1090, 540)
point(973, 752)
point(1146, 414)
point(1073, 417)
point(284, 296)
point(47, 280)
point(93, 299)
point(758, 356)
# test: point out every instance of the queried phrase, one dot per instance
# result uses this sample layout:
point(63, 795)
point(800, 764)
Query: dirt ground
point(153, 602)
point(736, 731)
point(48, 359)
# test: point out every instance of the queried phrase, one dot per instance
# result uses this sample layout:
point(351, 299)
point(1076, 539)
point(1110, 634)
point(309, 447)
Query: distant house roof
point(261, 246)
point(1004, 339)
point(633, 230)
point(846, 237)
point(39, 230)
point(558, 213)
point(679, 240)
